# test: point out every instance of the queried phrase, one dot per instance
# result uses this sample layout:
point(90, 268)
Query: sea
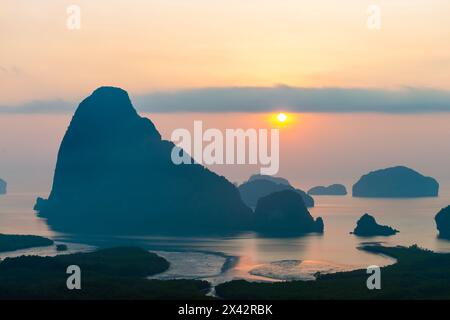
point(249, 256)
point(315, 149)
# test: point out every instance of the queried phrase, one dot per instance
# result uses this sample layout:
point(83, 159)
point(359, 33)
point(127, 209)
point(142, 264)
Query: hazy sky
point(314, 148)
point(236, 55)
point(147, 45)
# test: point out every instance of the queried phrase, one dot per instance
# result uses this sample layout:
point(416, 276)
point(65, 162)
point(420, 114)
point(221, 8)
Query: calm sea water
point(251, 257)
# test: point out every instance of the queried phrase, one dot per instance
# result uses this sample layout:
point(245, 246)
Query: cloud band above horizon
point(267, 99)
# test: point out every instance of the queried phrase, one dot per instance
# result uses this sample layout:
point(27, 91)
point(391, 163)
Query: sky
point(158, 45)
point(362, 99)
point(315, 148)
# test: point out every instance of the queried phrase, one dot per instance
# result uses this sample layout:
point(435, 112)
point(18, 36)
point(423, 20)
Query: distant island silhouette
point(284, 212)
point(331, 190)
point(277, 180)
point(259, 186)
point(3, 186)
point(114, 175)
point(395, 182)
point(12, 242)
point(442, 219)
point(61, 247)
point(367, 226)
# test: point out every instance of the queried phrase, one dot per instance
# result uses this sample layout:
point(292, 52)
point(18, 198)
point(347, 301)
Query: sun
point(281, 117)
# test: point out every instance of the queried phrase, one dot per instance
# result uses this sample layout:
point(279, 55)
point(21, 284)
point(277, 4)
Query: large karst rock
point(114, 174)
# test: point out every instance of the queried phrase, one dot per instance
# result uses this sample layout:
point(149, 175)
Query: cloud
point(266, 99)
point(11, 70)
point(40, 106)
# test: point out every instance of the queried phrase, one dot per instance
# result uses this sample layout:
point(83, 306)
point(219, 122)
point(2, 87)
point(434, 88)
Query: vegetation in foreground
point(116, 273)
point(418, 274)
point(11, 242)
point(120, 273)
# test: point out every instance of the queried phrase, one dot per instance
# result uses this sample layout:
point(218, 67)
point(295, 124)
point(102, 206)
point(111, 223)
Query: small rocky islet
point(442, 220)
point(3, 186)
point(367, 226)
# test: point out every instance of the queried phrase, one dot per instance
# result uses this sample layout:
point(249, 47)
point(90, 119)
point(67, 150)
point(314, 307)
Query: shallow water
point(191, 265)
point(49, 251)
point(296, 269)
point(248, 256)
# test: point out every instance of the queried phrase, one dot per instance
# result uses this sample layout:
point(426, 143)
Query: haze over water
point(315, 148)
point(319, 149)
point(335, 250)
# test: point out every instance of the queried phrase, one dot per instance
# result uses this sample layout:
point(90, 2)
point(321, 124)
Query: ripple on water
point(296, 269)
point(191, 265)
point(49, 251)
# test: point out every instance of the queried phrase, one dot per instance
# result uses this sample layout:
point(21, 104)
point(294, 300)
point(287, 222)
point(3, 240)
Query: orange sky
point(314, 148)
point(157, 44)
point(147, 45)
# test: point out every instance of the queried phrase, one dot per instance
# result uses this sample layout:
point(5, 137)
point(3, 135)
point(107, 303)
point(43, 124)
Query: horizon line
point(260, 99)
